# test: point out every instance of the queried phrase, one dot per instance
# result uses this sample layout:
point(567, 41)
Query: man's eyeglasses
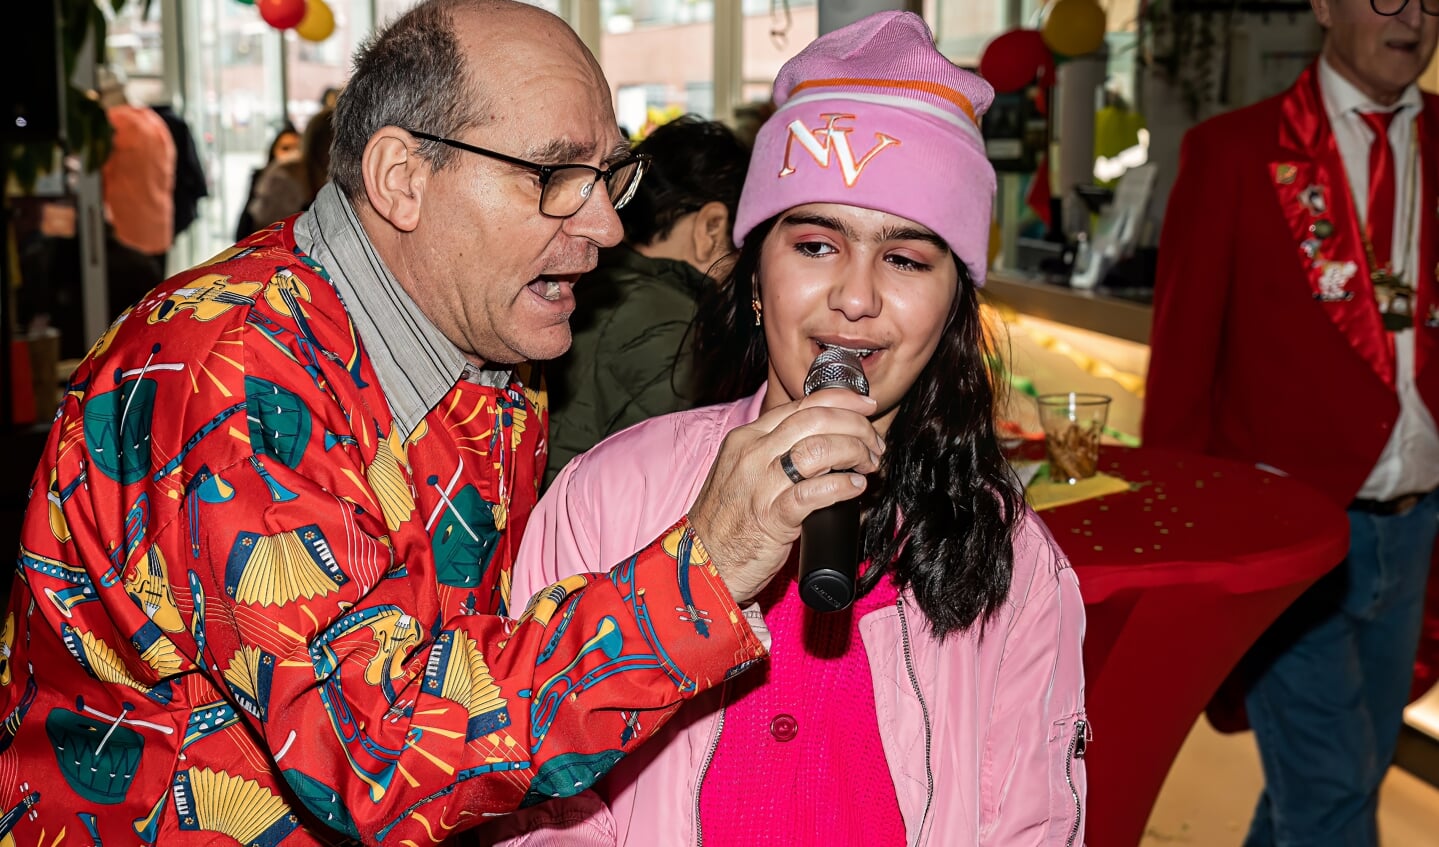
point(565, 188)
point(1390, 8)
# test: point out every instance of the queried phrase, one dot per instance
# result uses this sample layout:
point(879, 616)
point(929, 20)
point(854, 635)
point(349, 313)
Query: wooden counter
point(1094, 311)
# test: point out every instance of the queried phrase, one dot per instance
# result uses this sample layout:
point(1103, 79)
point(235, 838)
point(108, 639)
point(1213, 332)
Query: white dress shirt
point(1410, 461)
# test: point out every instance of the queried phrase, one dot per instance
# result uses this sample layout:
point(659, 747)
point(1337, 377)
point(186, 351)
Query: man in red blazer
point(1296, 326)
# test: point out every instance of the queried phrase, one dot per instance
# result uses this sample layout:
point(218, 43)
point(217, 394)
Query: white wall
point(1265, 54)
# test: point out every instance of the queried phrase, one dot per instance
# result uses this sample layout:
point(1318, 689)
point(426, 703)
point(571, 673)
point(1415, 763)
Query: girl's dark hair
point(941, 511)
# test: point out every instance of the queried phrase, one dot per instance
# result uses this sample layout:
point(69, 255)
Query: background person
point(633, 312)
point(284, 148)
point(288, 187)
point(1293, 227)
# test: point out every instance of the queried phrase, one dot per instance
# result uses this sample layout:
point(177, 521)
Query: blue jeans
point(1333, 677)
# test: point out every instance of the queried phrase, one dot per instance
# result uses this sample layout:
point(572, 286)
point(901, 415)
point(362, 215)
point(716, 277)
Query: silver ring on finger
point(790, 470)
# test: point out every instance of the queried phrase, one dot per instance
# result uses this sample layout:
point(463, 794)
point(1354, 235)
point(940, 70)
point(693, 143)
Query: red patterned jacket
point(247, 605)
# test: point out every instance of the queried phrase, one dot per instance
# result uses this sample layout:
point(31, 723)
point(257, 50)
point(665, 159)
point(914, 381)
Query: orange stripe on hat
point(941, 91)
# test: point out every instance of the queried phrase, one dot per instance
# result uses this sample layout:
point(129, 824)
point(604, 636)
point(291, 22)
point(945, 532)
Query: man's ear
point(1322, 12)
point(710, 236)
point(395, 177)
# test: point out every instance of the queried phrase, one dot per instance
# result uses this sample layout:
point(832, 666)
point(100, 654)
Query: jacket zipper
point(704, 769)
point(1076, 751)
point(924, 710)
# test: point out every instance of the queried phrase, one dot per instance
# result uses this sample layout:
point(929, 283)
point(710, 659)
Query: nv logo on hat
point(832, 139)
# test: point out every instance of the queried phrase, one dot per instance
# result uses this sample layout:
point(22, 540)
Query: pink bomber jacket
point(984, 733)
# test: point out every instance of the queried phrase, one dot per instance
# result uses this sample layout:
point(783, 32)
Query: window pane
point(963, 27)
point(236, 107)
point(134, 48)
point(386, 10)
point(626, 15)
point(659, 58)
point(772, 36)
point(317, 67)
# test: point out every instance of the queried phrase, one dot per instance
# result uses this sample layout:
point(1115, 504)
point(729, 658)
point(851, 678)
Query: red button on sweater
point(799, 761)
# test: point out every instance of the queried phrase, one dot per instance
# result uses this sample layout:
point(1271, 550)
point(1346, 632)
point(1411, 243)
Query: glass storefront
point(237, 80)
point(229, 82)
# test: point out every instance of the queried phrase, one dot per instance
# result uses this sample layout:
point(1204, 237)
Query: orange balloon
point(1073, 27)
point(318, 23)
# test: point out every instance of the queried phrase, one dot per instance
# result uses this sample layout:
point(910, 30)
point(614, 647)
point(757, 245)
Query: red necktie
point(1381, 188)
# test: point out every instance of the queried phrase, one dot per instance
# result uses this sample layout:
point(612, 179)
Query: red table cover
point(1180, 575)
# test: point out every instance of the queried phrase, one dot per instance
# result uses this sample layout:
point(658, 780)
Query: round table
point(1180, 575)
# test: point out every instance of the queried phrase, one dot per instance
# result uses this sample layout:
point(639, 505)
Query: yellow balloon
point(318, 23)
point(1073, 27)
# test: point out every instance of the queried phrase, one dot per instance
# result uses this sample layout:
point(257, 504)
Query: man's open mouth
point(549, 289)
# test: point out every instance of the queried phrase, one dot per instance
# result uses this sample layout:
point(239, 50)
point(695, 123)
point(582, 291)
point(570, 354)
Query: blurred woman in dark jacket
point(285, 148)
point(633, 311)
point(287, 187)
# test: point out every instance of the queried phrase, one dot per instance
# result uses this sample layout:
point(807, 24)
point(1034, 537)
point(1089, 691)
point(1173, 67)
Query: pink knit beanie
point(872, 115)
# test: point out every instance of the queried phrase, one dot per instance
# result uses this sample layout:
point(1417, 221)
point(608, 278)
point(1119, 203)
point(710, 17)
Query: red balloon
point(1013, 60)
point(281, 14)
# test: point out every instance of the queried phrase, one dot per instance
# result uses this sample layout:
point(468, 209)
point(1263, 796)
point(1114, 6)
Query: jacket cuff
point(696, 626)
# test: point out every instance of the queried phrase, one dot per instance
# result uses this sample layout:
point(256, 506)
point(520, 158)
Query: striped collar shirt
point(416, 364)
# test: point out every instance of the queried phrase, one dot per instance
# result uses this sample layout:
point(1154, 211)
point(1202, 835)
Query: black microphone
point(829, 537)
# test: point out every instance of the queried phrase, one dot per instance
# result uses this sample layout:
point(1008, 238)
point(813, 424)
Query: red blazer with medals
point(1268, 345)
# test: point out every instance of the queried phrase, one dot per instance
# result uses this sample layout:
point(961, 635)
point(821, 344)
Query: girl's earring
point(754, 302)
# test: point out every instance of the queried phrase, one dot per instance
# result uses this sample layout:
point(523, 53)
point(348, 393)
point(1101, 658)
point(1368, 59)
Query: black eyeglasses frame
point(546, 172)
point(1423, 7)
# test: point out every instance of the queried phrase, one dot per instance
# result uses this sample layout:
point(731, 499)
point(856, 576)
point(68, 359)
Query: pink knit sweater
point(799, 760)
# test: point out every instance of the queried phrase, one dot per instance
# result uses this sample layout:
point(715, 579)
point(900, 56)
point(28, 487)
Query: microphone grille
point(836, 367)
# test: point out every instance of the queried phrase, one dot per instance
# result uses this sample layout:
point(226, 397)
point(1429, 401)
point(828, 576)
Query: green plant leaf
point(87, 131)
